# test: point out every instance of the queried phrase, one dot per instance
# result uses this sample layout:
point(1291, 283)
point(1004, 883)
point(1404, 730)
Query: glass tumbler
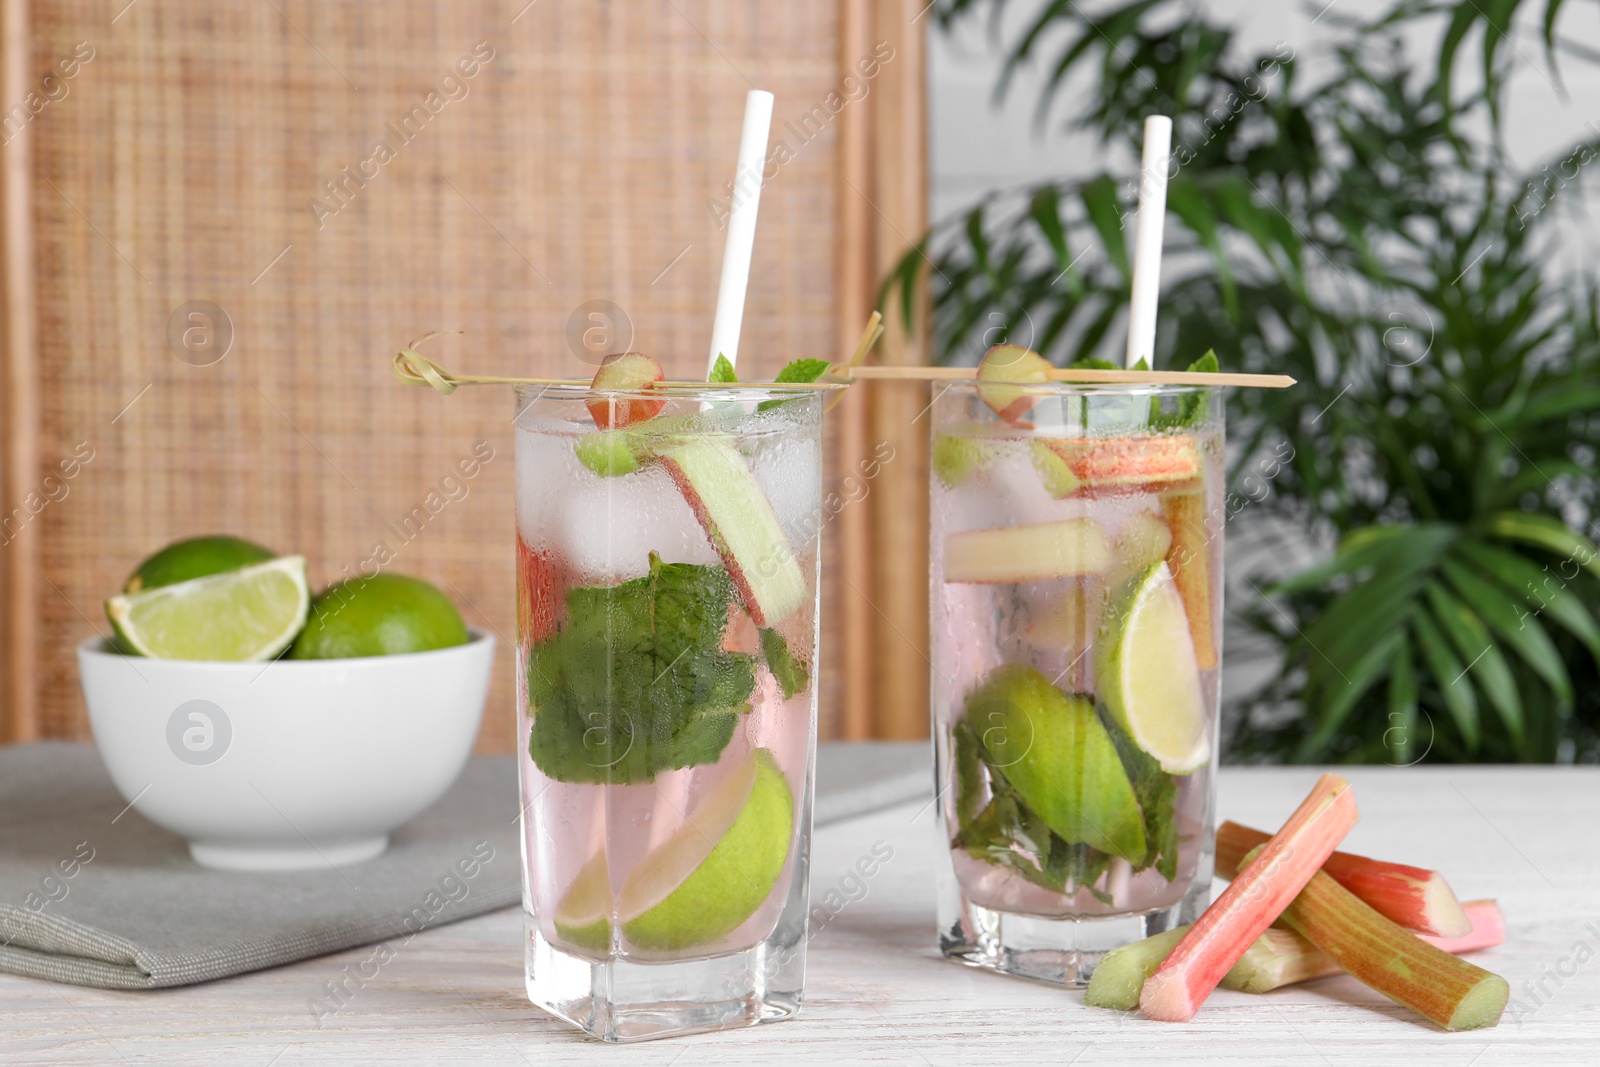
point(667, 556)
point(1076, 551)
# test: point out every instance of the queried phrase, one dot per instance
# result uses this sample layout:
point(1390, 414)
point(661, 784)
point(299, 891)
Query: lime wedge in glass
point(1146, 672)
point(247, 614)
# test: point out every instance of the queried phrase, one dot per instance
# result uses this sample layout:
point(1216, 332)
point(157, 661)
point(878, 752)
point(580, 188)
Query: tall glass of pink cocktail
point(1076, 598)
point(667, 636)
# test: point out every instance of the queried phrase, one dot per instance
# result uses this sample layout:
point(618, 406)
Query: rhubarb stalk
point(1122, 972)
point(1396, 962)
point(1276, 959)
point(1283, 957)
point(1256, 896)
point(1417, 899)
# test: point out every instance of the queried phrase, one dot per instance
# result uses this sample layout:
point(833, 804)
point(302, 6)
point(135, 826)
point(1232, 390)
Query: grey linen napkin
point(93, 893)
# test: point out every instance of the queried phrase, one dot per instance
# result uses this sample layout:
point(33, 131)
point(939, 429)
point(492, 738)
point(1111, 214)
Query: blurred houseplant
point(1353, 233)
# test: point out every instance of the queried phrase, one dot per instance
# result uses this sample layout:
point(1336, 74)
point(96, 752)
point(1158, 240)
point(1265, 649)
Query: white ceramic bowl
point(288, 764)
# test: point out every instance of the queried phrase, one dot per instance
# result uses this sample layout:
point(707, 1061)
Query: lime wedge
point(1056, 753)
point(718, 868)
point(248, 614)
point(1146, 672)
point(582, 916)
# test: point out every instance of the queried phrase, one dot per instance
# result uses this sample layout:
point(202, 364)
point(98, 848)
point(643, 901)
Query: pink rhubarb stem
point(1415, 898)
point(1488, 928)
point(1256, 896)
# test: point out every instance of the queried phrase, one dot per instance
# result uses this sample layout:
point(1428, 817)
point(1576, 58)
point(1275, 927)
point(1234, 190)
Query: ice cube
point(1023, 496)
point(545, 466)
point(789, 471)
point(606, 528)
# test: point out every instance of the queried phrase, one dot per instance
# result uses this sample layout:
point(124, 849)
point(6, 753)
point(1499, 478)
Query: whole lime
point(384, 615)
point(197, 557)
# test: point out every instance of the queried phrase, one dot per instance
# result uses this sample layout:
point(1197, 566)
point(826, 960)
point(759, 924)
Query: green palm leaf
point(1538, 588)
point(1485, 661)
point(1450, 676)
point(1519, 631)
point(1547, 533)
point(1401, 736)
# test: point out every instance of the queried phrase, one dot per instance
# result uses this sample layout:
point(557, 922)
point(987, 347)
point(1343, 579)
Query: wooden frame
point(19, 404)
point(882, 544)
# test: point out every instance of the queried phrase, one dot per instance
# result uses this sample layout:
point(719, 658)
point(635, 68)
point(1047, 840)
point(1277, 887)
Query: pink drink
point(666, 717)
point(1076, 599)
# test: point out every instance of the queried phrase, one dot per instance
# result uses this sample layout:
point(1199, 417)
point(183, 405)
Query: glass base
point(1061, 952)
point(625, 1000)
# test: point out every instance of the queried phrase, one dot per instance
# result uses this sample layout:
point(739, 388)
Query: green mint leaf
point(636, 681)
point(1077, 865)
point(969, 770)
point(792, 674)
point(802, 370)
point(1005, 831)
point(1143, 364)
point(1157, 794)
point(1188, 412)
point(798, 372)
point(1091, 363)
point(722, 370)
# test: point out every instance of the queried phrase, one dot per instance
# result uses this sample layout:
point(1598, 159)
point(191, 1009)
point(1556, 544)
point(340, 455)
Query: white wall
point(975, 147)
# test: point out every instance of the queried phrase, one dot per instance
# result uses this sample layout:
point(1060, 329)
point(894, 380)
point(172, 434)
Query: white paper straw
point(1147, 240)
point(741, 228)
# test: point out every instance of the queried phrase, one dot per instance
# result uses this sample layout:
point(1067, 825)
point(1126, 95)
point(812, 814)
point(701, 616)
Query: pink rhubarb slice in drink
point(740, 523)
point(1257, 896)
point(1150, 461)
point(1415, 898)
point(1189, 559)
point(540, 593)
point(1032, 553)
point(1008, 381)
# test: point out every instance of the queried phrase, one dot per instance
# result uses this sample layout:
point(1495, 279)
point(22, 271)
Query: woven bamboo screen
point(310, 185)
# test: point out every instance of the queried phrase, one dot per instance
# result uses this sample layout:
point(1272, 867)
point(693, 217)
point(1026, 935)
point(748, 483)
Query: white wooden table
point(878, 992)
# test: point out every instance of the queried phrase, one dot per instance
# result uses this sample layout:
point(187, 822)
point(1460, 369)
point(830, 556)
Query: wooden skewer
point(869, 337)
point(413, 368)
point(1083, 377)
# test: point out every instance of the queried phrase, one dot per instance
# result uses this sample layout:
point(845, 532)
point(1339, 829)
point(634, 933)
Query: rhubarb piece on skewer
point(1442, 988)
point(1257, 896)
point(1417, 899)
point(1009, 377)
point(1283, 957)
point(626, 372)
